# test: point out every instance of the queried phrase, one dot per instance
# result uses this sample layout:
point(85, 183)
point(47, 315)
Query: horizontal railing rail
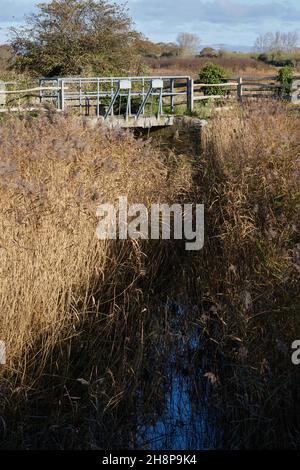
point(28, 90)
point(246, 87)
point(140, 96)
point(104, 94)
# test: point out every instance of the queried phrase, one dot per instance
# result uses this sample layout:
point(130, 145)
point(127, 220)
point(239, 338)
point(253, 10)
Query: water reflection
point(181, 419)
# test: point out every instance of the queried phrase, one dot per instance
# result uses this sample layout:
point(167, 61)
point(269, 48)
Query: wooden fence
point(176, 91)
point(240, 88)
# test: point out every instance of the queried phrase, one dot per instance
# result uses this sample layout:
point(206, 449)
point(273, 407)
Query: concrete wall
point(183, 138)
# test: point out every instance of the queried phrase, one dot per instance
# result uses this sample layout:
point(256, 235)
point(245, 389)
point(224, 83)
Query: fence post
point(295, 93)
point(240, 88)
point(190, 94)
point(62, 96)
point(40, 92)
point(2, 95)
point(172, 91)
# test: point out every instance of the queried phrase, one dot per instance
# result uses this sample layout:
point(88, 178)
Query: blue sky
point(233, 22)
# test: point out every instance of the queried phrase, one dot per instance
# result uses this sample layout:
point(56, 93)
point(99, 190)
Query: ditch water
point(174, 414)
point(182, 420)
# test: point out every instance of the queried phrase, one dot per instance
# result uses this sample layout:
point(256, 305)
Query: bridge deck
point(144, 122)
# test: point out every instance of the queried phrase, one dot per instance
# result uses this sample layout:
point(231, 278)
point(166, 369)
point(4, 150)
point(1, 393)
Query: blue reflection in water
point(184, 422)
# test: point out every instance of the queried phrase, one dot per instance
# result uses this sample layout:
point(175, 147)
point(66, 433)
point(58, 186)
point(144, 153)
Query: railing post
point(80, 96)
point(62, 96)
point(190, 95)
point(58, 91)
point(2, 95)
point(40, 93)
point(112, 93)
point(143, 94)
point(240, 89)
point(98, 97)
point(172, 96)
point(295, 92)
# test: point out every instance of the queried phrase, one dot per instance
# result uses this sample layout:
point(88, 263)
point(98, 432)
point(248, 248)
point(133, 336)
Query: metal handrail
point(141, 87)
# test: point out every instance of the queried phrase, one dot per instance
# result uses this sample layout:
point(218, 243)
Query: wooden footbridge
point(135, 101)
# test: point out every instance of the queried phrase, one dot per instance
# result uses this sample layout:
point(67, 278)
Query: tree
point(276, 42)
point(263, 57)
point(188, 42)
point(170, 49)
point(147, 48)
point(71, 37)
point(208, 52)
point(292, 40)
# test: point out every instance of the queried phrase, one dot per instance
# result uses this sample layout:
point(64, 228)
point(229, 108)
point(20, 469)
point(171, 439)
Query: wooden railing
point(17, 94)
point(240, 88)
point(174, 92)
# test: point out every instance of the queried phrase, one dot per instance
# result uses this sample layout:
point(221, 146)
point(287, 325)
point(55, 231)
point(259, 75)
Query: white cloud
point(216, 11)
point(233, 21)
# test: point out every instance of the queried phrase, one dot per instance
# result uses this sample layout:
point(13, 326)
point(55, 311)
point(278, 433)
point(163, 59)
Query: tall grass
point(80, 317)
point(248, 276)
point(73, 308)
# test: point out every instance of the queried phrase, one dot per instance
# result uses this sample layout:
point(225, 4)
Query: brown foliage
point(71, 305)
point(192, 65)
point(251, 276)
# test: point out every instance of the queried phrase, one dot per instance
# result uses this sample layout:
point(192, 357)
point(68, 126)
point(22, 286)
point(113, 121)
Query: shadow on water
point(181, 418)
point(173, 403)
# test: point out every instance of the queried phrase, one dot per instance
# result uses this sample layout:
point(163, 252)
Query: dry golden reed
point(79, 315)
point(249, 271)
point(67, 298)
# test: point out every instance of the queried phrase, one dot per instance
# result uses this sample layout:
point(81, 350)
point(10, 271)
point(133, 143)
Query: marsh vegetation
point(87, 323)
point(137, 343)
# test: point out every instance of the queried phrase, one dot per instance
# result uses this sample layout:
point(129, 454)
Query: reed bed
point(83, 318)
point(248, 275)
point(73, 308)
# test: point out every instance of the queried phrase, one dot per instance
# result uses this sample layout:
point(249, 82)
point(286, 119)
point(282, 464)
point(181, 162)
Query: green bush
point(75, 37)
point(212, 73)
point(285, 78)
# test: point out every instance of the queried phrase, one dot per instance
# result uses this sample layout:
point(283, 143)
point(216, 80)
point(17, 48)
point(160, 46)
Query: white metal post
point(190, 94)
point(240, 88)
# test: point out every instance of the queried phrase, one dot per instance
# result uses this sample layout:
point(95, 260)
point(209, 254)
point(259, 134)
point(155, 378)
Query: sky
point(232, 22)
